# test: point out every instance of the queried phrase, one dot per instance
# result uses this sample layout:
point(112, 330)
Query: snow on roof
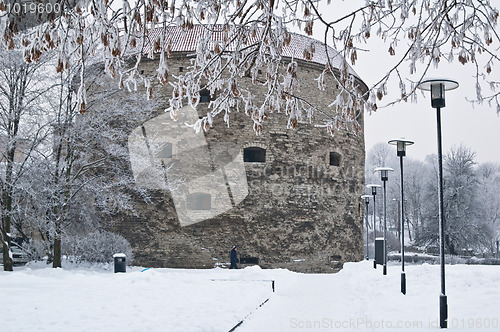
point(187, 40)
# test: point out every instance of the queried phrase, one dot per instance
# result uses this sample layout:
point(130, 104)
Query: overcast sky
point(477, 127)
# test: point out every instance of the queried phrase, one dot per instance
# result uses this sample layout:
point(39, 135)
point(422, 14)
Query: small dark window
point(181, 69)
point(198, 232)
point(165, 151)
point(199, 201)
point(142, 72)
point(205, 96)
point(334, 159)
point(249, 260)
point(259, 71)
point(254, 155)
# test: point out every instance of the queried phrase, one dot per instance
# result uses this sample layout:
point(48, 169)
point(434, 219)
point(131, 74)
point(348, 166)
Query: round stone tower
point(288, 198)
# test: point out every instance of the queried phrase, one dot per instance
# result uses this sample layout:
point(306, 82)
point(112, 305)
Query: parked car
point(19, 256)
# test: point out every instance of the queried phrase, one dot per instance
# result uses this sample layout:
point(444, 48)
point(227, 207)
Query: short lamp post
point(373, 188)
point(367, 202)
point(437, 87)
point(401, 152)
point(384, 176)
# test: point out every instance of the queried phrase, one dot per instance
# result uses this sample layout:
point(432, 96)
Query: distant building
point(287, 198)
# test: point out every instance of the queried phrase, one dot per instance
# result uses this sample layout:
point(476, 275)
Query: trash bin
point(120, 261)
point(379, 251)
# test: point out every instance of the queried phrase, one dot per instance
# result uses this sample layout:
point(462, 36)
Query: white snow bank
point(357, 298)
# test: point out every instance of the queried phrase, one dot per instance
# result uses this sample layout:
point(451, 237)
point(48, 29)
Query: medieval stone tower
point(287, 198)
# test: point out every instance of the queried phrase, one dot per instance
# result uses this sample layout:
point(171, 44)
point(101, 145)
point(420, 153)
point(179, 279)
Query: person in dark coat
point(234, 258)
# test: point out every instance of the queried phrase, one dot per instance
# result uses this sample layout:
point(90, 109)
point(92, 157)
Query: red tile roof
point(187, 40)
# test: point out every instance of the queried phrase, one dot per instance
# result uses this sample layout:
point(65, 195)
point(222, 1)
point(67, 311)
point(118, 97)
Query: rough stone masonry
point(288, 198)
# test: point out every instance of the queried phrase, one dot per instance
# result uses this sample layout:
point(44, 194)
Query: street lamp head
point(401, 144)
point(366, 198)
point(384, 172)
point(437, 87)
point(373, 188)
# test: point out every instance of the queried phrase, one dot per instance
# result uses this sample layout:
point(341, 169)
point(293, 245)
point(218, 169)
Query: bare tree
point(418, 33)
point(416, 177)
point(63, 169)
point(489, 197)
point(381, 155)
point(465, 227)
point(472, 202)
point(21, 96)
point(384, 155)
point(87, 163)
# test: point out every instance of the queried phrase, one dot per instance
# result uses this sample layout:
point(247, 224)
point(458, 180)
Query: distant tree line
point(471, 199)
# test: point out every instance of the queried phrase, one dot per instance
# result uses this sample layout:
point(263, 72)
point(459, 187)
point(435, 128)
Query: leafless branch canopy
point(419, 33)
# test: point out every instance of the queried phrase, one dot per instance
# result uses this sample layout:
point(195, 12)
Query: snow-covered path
point(357, 298)
point(360, 297)
point(153, 300)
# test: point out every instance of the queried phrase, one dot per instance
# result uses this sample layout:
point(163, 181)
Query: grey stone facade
point(295, 207)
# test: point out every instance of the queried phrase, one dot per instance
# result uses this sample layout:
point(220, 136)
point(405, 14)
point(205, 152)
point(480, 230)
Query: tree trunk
point(15, 93)
point(57, 252)
point(62, 211)
point(7, 261)
point(6, 220)
point(7, 192)
point(408, 228)
point(449, 245)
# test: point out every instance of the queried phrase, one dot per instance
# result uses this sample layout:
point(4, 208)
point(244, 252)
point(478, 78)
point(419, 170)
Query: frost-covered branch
point(252, 35)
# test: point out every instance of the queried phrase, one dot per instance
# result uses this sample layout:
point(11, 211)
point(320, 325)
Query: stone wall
point(294, 210)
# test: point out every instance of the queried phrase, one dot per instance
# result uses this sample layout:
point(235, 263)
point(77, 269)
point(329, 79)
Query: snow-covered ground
point(38, 298)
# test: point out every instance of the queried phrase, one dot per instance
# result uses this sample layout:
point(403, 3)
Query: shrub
point(96, 247)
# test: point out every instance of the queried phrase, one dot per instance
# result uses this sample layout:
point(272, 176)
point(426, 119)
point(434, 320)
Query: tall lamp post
point(384, 176)
point(373, 188)
point(397, 217)
point(401, 152)
point(437, 87)
point(367, 202)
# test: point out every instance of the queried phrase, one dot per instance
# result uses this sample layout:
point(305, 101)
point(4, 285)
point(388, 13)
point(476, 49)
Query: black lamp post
point(437, 87)
point(384, 176)
point(401, 152)
point(367, 202)
point(373, 188)
point(397, 217)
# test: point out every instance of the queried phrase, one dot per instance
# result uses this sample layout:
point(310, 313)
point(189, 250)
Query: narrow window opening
point(249, 260)
point(198, 232)
point(254, 155)
point(205, 96)
point(335, 159)
point(181, 69)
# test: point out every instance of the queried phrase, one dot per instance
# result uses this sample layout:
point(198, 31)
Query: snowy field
point(39, 298)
